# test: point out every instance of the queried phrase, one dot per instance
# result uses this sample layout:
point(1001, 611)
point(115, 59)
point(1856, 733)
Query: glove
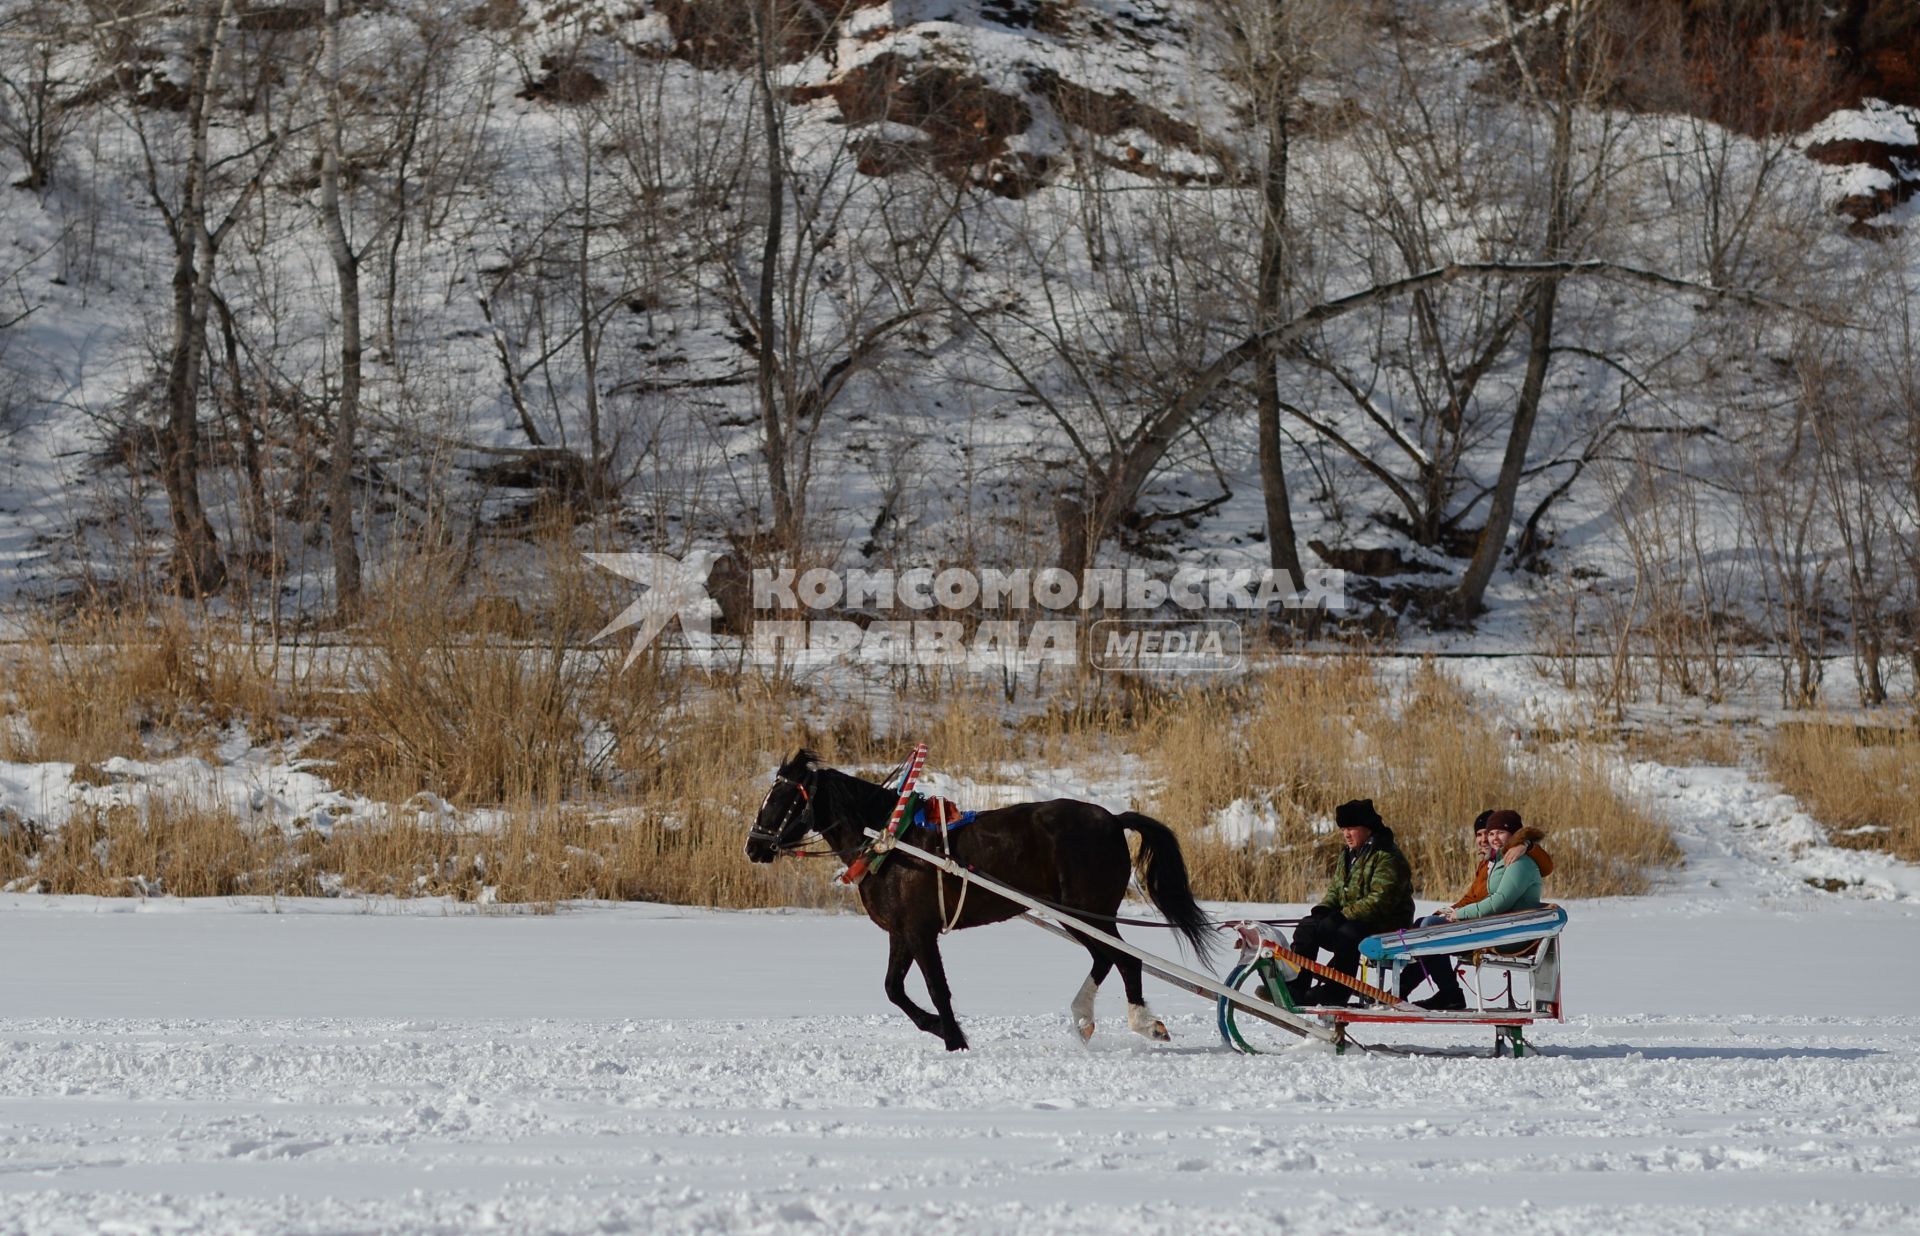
point(1325, 912)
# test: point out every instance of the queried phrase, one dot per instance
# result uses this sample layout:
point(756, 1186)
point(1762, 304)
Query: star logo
point(673, 589)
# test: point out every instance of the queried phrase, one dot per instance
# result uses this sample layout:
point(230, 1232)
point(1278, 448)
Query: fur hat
point(1356, 813)
point(1508, 821)
point(1480, 821)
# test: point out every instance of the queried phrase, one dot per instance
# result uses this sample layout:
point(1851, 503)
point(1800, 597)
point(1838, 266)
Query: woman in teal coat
point(1513, 883)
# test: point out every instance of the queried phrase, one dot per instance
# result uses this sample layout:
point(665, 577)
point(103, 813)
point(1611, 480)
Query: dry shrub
point(488, 718)
point(1685, 746)
point(968, 734)
point(91, 686)
point(1862, 783)
point(590, 779)
point(1300, 739)
point(551, 855)
point(539, 856)
point(168, 846)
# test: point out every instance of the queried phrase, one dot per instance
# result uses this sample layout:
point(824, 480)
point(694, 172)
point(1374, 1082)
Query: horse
point(1068, 853)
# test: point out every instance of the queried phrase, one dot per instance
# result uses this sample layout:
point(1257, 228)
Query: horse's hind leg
point(899, 959)
point(926, 953)
point(1140, 1018)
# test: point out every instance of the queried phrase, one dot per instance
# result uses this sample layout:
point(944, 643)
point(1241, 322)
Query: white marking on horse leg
point(1140, 1020)
point(1082, 1008)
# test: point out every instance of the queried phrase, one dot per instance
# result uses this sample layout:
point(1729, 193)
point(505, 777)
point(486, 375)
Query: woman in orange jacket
point(1501, 838)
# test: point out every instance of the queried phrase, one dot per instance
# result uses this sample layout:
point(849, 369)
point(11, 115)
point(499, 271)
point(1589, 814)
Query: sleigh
point(1513, 976)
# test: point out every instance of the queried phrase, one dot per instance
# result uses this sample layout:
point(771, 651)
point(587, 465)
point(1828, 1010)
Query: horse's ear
point(805, 760)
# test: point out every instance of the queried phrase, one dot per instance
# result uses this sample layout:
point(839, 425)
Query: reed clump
point(1862, 782)
point(85, 687)
point(496, 755)
point(1292, 743)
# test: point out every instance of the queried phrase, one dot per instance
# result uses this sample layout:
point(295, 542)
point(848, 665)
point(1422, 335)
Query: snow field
point(1736, 1063)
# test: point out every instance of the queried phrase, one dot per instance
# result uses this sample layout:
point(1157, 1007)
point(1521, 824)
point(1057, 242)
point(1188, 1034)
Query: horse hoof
point(1084, 1029)
point(960, 1045)
point(1159, 1033)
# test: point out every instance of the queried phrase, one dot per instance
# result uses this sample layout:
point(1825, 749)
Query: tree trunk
point(197, 563)
point(1070, 521)
point(346, 267)
point(589, 344)
point(1470, 599)
point(1283, 551)
point(785, 517)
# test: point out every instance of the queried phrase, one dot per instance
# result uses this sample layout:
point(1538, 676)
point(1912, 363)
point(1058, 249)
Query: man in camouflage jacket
point(1372, 892)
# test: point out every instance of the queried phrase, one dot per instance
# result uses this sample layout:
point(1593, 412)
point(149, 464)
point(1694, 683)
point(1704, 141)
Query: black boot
point(1334, 996)
point(1447, 996)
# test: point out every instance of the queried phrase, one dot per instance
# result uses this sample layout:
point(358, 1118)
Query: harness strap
point(941, 809)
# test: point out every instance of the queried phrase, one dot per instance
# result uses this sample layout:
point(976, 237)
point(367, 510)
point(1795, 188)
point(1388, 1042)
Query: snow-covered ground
point(1744, 1055)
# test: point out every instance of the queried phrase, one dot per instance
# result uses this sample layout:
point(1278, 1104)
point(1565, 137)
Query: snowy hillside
point(1011, 243)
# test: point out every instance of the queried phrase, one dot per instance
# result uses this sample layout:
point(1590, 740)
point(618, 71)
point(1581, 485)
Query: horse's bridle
point(801, 810)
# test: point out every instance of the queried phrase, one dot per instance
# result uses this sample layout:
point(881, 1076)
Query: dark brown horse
point(1071, 854)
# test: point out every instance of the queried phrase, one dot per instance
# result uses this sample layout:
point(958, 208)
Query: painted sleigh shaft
point(1332, 975)
point(1159, 967)
point(1494, 931)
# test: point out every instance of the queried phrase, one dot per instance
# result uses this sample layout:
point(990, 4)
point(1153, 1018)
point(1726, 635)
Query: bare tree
point(192, 186)
point(346, 269)
point(1271, 46)
point(35, 112)
point(1735, 85)
point(829, 293)
point(1563, 72)
point(1131, 303)
point(1403, 390)
point(1781, 507)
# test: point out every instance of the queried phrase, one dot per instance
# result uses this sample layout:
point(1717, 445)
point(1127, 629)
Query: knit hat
point(1357, 813)
point(1506, 820)
point(1480, 821)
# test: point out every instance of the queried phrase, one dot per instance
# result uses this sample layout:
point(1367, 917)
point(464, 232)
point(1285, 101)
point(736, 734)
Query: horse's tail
point(1164, 872)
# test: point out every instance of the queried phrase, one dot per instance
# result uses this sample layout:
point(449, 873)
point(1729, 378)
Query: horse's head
point(786, 816)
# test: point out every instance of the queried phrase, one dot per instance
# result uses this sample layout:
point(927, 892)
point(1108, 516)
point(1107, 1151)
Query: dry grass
point(578, 778)
point(1714, 745)
point(1862, 783)
point(1302, 739)
point(89, 687)
point(173, 847)
point(540, 857)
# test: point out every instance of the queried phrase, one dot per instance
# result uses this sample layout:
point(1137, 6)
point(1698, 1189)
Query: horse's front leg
point(925, 943)
point(899, 959)
point(1081, 1010)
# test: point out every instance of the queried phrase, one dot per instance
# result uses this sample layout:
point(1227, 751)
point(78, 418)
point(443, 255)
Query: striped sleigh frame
point(1495, 931)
